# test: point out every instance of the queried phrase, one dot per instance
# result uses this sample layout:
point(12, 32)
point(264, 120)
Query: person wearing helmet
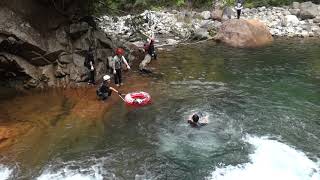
point(117, 61)
point(104, 90)
point(89, 64)
point(198, 120)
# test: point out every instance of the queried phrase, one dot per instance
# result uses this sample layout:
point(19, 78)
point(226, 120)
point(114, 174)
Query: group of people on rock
point(115, 65)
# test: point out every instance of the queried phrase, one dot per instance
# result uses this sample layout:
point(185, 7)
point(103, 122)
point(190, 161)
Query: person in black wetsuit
point(151, 49)
point(239, 7)
point(194, 121)
point(104, 90)
point(89, 64)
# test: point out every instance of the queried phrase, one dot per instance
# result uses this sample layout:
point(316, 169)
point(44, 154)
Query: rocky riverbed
point(172, 26)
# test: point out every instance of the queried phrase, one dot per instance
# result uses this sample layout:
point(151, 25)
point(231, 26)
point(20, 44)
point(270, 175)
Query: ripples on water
point(269, 159)
point(263, 107)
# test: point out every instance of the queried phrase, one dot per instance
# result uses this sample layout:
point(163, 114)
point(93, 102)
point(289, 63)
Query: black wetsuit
point(89, 58)
point(197, 124)
point(104, 91)
point(239, 8)
point(151, 50)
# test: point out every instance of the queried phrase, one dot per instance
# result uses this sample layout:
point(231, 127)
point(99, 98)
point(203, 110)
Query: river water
point(264, 122)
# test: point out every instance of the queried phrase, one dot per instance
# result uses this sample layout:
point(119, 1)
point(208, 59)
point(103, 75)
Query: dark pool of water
point(258, 101)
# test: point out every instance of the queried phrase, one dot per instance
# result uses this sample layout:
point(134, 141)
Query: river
point(264, 121)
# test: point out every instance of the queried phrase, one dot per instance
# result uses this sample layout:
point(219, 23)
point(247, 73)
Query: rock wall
point(43, 56)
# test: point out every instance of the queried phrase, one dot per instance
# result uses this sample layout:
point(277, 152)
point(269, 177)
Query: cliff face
point(44, 44)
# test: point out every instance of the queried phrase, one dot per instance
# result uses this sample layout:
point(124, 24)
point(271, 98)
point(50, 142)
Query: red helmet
point(119, 51)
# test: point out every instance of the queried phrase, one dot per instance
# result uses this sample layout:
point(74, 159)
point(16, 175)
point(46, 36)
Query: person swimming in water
point(198, 120)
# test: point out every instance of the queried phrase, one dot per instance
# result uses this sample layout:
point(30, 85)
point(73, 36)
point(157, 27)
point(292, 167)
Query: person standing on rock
point(89, 63)
point(239, 7)
point(149, 54)
point(151, 49)
point(117, 61)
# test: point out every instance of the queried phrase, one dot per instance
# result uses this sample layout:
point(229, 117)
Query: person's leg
point(119, 75)
point(238, 13)
point(89, 76)
point(116, 78)
point(109, 92)
point(104, 96)
point(100, 95)
point(155, 55)
point(92, 77)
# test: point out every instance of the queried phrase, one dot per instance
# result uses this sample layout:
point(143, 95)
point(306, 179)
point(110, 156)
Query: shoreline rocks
point(298, 20)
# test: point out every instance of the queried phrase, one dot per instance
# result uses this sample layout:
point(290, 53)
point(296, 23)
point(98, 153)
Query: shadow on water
point(271, 92)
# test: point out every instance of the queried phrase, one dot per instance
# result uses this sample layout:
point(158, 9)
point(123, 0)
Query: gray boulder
point(308, 10)
point(227, 13)
point(295, 5)
point(295, 11)
point(216, 14)
point(201, 34)
point(77, 29)
point(206, 14)
point(316, 20)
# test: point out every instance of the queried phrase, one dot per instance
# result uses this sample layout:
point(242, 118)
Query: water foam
point(4, 172)
point(68, 173)
point(271, 160)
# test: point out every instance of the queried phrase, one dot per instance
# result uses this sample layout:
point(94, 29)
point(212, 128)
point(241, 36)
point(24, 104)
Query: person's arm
point(113, 89)
point(91, 66)
point(125, 62)
point(114, 65)
point(204, 120)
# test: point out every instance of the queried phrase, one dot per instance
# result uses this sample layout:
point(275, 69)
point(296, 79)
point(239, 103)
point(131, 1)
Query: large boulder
point(227, 13)
point(244, 33)
point(216, 14)
point(308, 10)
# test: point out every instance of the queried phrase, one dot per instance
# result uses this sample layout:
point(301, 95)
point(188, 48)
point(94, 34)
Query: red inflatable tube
point(137, 99)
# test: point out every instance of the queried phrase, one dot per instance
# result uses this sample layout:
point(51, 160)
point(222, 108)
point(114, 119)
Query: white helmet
point(106, 77)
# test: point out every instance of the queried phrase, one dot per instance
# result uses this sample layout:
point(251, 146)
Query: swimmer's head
point(195, 118)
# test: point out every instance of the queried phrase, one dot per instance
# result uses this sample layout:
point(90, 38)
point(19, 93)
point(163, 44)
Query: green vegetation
point(125, 6)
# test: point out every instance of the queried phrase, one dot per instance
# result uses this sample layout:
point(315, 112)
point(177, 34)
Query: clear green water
point(264, 113)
